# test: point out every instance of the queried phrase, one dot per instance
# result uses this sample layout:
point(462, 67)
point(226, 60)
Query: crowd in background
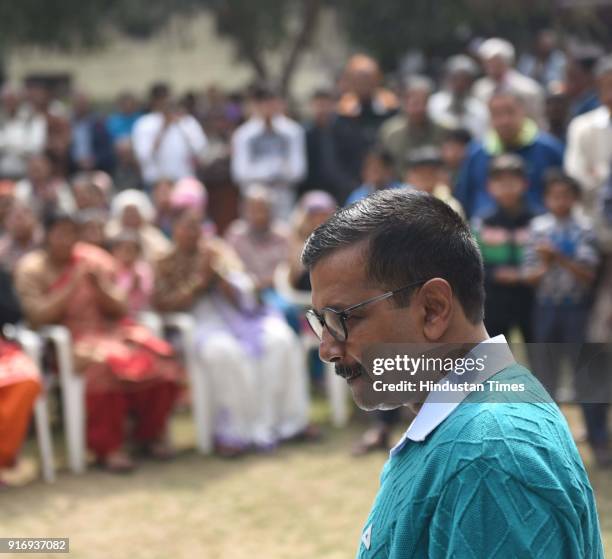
point(193, 203)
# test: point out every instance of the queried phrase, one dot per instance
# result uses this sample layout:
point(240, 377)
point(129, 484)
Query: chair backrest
point(283, 286)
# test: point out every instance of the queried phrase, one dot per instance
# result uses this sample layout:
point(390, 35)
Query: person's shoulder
point(476, 150)
point(147, 120)
point(247, 128)
point(523, 422)
point(393, 125)
point(542, 222)
point(32, 261)
point(584, 123)
point(549, 142)
point(288, 124)
point(525, 84)
point(237, 228)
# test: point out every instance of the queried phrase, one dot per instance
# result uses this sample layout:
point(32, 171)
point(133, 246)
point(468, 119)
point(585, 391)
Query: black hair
point(322, 93)
point(53, 217)
point(159, 90)
point(383, 155)
point(586, 57)
point(410, 236)
point(557, 176)
point(459, 135)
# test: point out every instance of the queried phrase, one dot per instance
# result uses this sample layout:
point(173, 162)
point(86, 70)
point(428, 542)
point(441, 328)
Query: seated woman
point(127, 370)
point(19, 384)
point(254, 359)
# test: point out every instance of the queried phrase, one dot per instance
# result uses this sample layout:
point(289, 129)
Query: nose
point(330, 349)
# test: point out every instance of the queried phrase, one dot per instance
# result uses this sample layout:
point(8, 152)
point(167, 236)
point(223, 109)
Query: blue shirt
point(542, 154)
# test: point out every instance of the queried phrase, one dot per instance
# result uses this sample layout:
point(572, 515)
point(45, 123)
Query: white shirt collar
point(433, 413)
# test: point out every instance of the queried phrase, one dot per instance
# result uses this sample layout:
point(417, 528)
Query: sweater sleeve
point(484, 512)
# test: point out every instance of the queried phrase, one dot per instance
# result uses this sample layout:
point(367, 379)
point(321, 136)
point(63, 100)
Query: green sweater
point(494, 480)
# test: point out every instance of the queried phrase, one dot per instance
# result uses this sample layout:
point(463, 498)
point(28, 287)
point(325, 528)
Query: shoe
point(118, 462)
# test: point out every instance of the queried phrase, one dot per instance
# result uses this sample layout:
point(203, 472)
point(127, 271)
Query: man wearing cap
point(497, 56)
point(455, 107)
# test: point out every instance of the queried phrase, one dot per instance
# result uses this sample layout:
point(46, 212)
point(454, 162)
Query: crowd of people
point(104, 216)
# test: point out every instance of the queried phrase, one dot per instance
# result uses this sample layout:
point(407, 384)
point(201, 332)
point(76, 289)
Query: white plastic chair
point(336, 386)
point(72, 388)
point(201, 404)
point(32, 345)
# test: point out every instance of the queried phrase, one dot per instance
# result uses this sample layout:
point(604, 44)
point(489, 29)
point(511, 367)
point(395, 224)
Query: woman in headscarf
point(133, 210)
point(253, 358)
point(127, 370)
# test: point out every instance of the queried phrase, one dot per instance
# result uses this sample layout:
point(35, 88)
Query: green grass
point(302, 502)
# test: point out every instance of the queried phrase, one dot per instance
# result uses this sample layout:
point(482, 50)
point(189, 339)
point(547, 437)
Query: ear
point(437, 303)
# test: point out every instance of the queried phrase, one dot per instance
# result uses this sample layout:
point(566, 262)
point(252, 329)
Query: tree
point(259, 30)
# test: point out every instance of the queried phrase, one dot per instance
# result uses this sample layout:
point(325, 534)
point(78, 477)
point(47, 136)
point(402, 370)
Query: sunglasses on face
point(335, 320)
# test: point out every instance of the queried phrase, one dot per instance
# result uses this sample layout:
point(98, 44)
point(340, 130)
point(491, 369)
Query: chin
point(365, 398)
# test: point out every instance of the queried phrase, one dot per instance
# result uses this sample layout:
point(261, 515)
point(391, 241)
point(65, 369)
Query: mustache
point(350, 371)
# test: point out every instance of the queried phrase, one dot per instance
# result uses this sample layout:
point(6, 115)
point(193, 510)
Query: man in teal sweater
point(477, 474)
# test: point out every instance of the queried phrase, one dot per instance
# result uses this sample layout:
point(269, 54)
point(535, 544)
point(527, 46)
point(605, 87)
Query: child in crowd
point(502, 236)
point(561, 260)
point(134, 275)
point(377, 173)
point(424, 168)
point(454, 150)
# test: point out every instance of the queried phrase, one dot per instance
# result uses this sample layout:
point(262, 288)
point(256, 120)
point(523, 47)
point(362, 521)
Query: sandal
point(118, 462)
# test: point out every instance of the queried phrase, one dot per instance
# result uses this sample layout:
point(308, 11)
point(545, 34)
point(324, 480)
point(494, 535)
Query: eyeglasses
point(335, 321)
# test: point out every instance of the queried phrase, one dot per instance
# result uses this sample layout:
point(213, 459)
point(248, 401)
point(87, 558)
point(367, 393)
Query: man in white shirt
point(589, 143)
point(269, 149)
point(22, 133)
point(167, 142)
point(497, 56)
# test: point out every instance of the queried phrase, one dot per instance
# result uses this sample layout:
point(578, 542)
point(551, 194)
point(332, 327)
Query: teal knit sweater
point(494, 480)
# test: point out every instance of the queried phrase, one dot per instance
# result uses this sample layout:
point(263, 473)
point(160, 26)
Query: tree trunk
point(309, 18)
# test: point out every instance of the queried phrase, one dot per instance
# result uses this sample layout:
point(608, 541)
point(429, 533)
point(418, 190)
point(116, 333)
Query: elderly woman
point(127, 370)
point(253, 358)
point(133, 210)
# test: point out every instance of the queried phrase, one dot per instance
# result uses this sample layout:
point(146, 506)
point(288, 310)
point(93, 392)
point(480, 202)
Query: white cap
point(497, 47)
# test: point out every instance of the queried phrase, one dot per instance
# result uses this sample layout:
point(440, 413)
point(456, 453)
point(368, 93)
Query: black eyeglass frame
point(344, 314)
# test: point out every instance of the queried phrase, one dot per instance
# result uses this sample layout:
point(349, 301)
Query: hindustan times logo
point(412, 365)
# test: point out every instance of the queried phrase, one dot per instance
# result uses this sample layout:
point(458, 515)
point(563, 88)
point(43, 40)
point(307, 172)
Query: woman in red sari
point(127, 370)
